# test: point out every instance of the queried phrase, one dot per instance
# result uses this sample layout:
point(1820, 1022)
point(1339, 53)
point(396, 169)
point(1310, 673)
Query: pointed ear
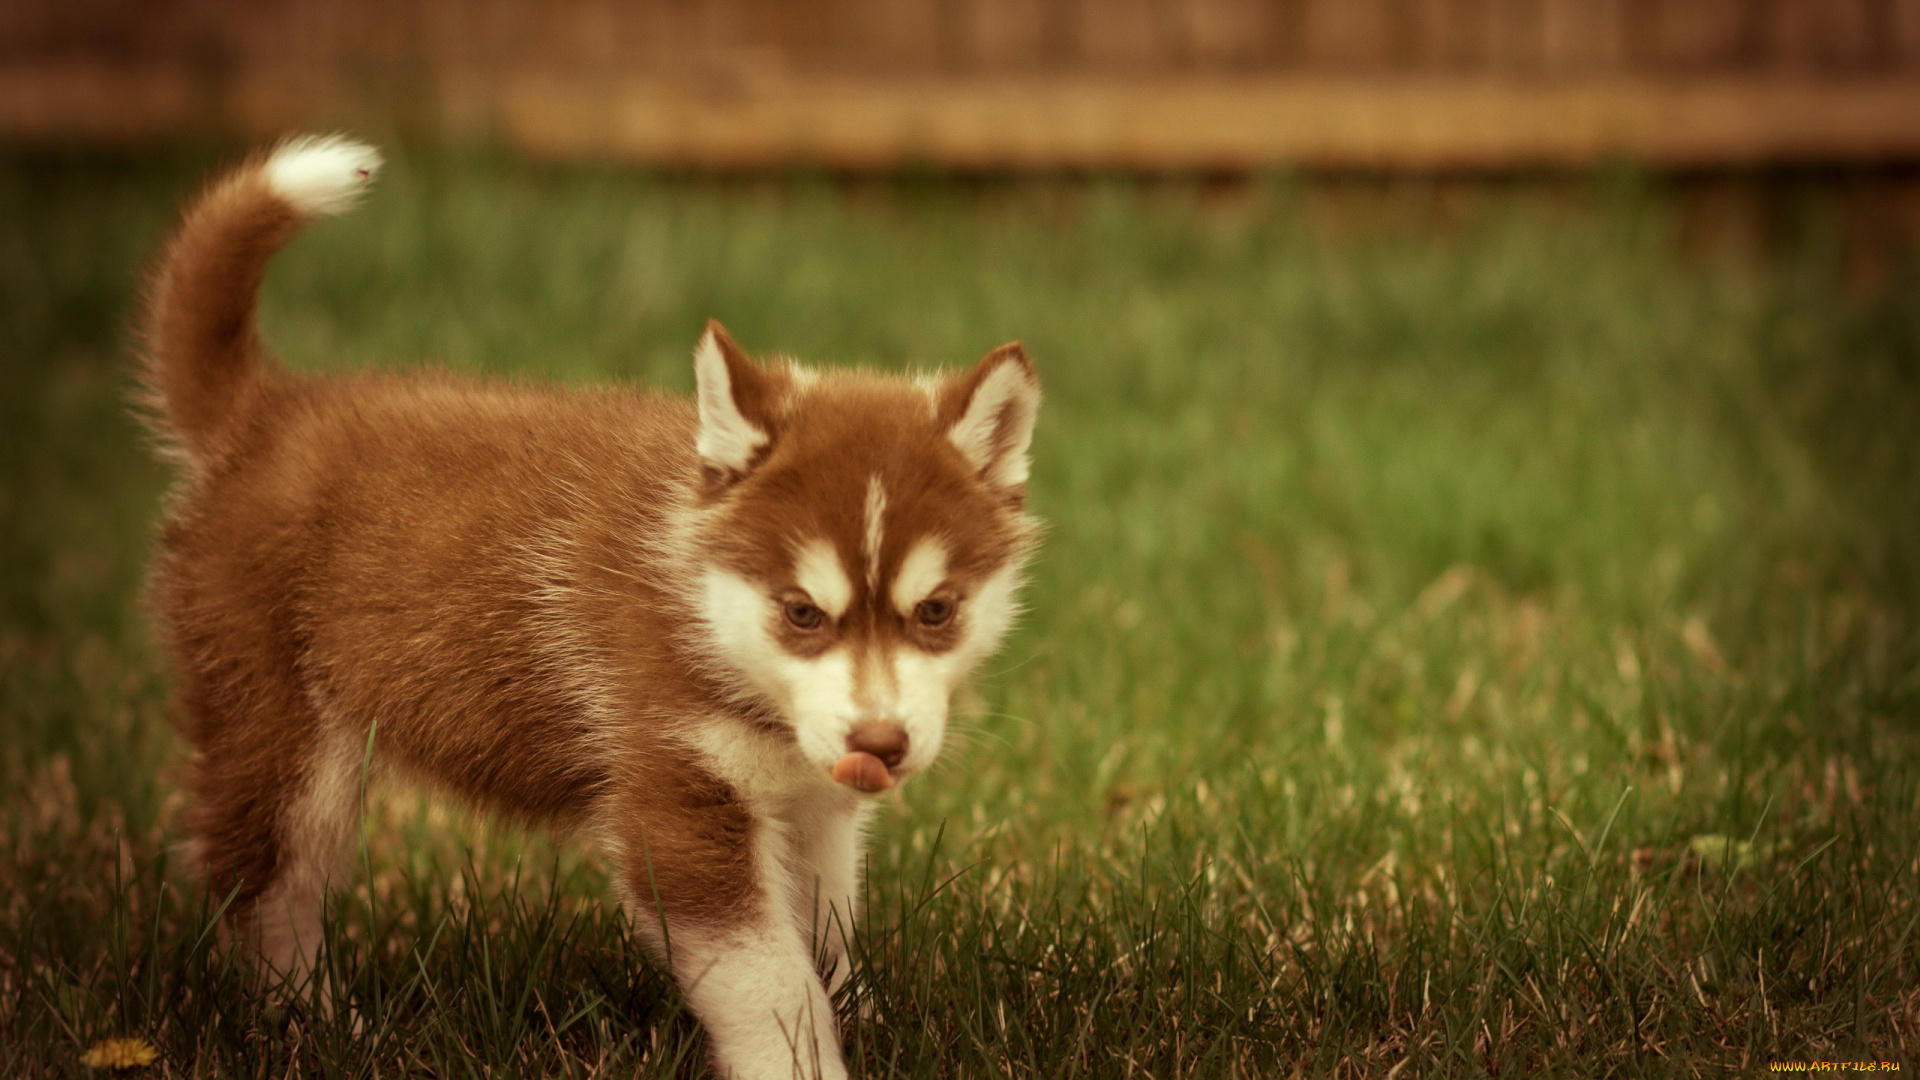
point(735, 402)
point(989, 414)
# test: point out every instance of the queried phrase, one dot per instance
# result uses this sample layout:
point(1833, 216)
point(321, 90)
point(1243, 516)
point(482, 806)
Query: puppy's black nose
point(884, 739)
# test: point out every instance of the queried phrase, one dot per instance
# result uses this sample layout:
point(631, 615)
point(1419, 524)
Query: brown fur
point(201, 307)
point(502, 576)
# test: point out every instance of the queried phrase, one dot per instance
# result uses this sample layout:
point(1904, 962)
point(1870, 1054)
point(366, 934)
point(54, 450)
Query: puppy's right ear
point(735, 407)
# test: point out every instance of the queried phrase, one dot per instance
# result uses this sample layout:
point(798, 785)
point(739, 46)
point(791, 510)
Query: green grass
point(1475, 634)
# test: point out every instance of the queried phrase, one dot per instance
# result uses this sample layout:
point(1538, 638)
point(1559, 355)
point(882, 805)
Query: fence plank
point(1227, 123)
point(993, 83)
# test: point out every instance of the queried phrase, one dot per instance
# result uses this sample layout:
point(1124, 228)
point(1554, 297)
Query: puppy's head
point(862, 538)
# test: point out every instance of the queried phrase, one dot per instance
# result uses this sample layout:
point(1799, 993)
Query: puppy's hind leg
point(316, 843)
point(275, 819)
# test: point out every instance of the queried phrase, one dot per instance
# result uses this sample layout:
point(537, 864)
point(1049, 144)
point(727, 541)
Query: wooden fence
point(995, 83)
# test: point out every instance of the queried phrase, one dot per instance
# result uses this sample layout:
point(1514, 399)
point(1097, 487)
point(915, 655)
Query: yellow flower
point(120, 1054)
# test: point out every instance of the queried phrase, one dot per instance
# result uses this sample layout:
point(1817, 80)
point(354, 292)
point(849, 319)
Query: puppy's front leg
point(825, 868)
point(708, 890)
point(755, 989)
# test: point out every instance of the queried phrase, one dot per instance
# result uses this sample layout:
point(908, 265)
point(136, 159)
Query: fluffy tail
point(203, 349)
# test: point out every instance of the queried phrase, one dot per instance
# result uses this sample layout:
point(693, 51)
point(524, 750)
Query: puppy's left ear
point(736, 398)
point(989, 413)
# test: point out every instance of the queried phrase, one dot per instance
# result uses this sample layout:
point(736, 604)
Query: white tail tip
point(321, 174)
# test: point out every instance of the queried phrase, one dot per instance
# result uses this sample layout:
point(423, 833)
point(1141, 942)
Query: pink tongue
point(862, 772)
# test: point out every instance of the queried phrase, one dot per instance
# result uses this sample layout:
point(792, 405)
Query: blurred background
point(991, 83)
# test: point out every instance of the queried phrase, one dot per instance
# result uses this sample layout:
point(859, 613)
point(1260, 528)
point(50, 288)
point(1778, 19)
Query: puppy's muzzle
point(884, 739)
point(875, 749)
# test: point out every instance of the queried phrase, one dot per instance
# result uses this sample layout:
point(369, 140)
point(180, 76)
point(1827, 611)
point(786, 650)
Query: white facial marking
point(823, 696)
point(727, 439)
point(736, 611)
point(921, 572)
point(923, 686)
point(876, 511)
point(819, 572)
point(815, 693)
point(998, 425)
point(990, 611)
point(821, 704)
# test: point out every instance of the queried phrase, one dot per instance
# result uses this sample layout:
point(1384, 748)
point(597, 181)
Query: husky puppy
point(706, 633)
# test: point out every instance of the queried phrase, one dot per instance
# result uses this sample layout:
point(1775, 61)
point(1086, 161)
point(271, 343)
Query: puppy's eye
point(804, 616)
point(934, 612)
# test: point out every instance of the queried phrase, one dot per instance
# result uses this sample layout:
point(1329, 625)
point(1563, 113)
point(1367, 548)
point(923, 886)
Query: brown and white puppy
point(706, 632)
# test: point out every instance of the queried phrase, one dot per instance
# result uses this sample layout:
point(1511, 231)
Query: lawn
point(1475, 634)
